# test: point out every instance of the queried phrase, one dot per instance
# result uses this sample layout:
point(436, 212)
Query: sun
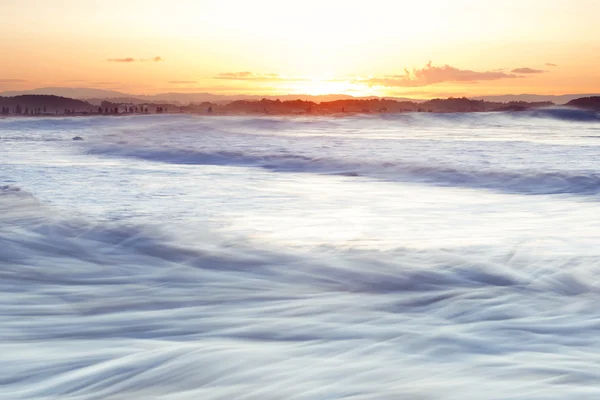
point(324, 86)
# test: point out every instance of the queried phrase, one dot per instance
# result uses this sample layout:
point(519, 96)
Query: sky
point(419, 49)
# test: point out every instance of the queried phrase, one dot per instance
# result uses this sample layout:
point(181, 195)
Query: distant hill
point(96, 96)
point(123, 100)
point(44, 103)
point(588, 103)
point(188, 98)
point(530, 98)
point(354, 105)
point(74, 93)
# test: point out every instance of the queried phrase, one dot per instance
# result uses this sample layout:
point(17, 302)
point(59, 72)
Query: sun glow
point(322, 86)
point(330, 42)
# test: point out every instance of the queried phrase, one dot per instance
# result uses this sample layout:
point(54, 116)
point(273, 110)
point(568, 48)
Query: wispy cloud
point(255, 77)
point(551, 65)
point(431, 75)
point(131, 60)
point(105, 83)
point(122, 60)
point(525, 70)
point(183, 82)
point(417, 77)
point(209, 89)
point(427, 94)
point(12, 81)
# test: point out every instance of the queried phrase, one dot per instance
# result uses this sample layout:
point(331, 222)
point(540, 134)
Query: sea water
point(410, 256)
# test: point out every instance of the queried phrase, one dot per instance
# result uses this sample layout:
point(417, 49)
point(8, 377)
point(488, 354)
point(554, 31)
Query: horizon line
point(408, 96)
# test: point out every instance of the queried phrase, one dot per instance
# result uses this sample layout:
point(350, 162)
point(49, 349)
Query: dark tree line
point(110, 108)
point(19, 110)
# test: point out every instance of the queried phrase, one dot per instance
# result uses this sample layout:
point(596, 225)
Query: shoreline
point(281, 114)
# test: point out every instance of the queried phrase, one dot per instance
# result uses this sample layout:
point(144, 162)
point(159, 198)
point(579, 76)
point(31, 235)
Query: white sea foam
point(255, 277)
point(464, 150)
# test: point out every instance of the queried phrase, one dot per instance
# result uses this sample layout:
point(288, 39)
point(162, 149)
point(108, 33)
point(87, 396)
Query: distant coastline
point(50, 105)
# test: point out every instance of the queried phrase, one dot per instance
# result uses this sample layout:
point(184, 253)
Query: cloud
point(122, 60)
point(215, 89)
point(551, 65)
point(130, 60)
point(418, 77)
point(427, 94)
point(12, 81)
point(525, 70)
point(233, 75)
point(182, 82)
point(255, 77)
point(105, 83)
point(431, 75)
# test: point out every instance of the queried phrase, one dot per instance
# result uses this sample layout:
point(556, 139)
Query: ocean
point(407, 256)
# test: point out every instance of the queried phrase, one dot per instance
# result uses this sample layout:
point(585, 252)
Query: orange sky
point(375, 47)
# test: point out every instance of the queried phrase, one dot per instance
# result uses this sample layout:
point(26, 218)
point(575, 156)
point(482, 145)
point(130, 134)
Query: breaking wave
point(563, 113)
point(122, 311)
point(511, 181)
point(128, 272)
point(507, 118)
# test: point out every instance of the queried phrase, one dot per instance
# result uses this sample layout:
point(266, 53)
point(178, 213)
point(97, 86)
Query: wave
point(114, 310)
point(569, 114)
point(530, 182)
point(494, 118)
point(562, 113)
